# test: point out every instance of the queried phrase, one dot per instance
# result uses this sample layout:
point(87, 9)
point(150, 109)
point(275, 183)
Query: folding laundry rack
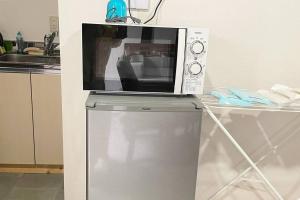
point(210, 102)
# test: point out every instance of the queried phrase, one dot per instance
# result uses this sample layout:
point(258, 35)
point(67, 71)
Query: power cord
point(151, 18)
point(122, 19)
point(112, 19)
point(129, 9)
point(113, 12)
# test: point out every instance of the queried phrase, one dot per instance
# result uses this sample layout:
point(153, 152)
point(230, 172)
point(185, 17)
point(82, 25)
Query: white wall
point(31, 17)
point(253, 44)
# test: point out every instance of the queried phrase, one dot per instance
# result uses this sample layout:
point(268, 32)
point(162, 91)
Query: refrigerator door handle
point(184, 107)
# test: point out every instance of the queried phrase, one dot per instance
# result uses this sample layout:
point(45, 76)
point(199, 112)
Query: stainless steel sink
point(29, 60)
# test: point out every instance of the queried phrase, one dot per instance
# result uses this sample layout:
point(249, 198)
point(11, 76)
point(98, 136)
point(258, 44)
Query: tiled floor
point(31, 186)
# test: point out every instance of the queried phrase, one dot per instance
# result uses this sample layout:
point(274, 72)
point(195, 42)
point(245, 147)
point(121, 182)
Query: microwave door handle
point(180, 61)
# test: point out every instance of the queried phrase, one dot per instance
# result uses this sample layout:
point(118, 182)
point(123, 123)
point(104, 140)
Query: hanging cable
point(151, 18)
point(113, 12)
point(112, 19)
point(129, 9)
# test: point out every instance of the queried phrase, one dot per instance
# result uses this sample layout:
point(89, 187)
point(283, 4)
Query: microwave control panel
point(195, 61)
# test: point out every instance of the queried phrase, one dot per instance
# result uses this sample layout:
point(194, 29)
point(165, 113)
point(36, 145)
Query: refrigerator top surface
point(143, 103)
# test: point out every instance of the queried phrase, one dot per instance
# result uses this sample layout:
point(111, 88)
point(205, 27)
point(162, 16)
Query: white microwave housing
point(192, 46)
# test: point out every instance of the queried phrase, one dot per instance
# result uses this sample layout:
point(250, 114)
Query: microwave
point(143, 59)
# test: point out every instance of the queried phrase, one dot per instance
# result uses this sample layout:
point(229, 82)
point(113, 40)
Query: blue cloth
point(250, 97)
point(230, 99)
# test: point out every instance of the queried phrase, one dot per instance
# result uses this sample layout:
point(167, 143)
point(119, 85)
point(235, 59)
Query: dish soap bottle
point(116, 9)
point(20, 42)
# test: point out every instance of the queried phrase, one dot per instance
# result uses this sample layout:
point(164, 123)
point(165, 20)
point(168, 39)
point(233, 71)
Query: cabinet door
point(16, 129)
point(46, 100)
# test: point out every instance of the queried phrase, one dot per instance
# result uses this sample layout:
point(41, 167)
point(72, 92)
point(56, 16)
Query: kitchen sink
point(16, 60)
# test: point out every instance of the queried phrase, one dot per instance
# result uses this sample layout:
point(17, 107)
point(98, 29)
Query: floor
point(31, 186)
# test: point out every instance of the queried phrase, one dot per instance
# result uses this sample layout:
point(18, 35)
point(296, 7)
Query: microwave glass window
point(129, 58)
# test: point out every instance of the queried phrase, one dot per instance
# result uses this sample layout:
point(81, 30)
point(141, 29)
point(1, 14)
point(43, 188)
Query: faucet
point(49, 46)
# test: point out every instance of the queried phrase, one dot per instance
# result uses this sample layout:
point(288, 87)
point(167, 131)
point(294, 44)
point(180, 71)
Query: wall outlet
point(139, 4)
point(54, 23)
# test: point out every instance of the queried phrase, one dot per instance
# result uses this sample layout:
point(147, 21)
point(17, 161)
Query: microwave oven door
point(132, 58)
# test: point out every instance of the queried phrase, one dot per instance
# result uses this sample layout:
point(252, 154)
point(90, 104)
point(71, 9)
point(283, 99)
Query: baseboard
point(31, 169)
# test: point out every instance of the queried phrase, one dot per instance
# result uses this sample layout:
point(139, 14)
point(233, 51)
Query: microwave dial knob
point(195, 68)
point(197, 47)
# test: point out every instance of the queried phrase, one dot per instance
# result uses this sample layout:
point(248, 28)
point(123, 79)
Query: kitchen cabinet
point(30, 119)
point(47, 118)
point(16, 127)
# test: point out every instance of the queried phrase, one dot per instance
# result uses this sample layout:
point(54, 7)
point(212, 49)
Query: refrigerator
point(142, 147)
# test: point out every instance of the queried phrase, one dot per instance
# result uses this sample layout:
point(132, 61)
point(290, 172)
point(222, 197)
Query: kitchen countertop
point(28, 69)
point(19, 63)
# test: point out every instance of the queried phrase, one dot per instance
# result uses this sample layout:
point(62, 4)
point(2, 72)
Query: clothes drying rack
point(211, 103)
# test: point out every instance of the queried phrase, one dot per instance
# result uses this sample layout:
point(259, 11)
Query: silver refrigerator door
point(140, 154)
